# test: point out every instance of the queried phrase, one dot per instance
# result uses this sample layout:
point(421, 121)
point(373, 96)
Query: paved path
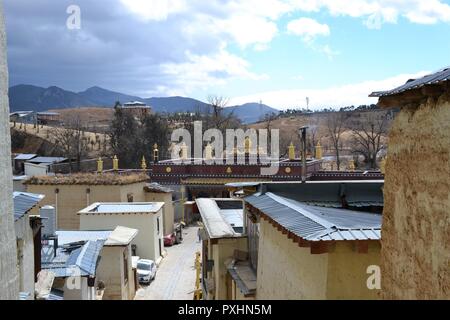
point(175, 279)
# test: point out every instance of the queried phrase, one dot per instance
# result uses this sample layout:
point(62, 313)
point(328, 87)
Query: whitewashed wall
point(9, 284)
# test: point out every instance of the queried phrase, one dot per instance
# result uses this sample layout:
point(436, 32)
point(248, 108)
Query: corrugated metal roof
point(25, 156)
point(81, 261)
point(435, 78)
point(314, 223)
point(67, 237)
point(47, 160)
point(24, 202)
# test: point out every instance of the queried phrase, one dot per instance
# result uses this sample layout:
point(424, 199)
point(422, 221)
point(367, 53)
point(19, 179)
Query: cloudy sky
point(276, 51)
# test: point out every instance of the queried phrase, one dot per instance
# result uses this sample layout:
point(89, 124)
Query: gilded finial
point(115, 163)
point(291, 151)
point(143, 164)
point(100, 165)
point(319, 151)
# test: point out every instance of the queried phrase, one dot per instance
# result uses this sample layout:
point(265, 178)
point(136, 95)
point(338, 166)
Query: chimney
point(48, 214)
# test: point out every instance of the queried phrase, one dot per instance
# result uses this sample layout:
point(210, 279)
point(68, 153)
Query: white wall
point(32, 169)
point(24, 234)
point(9, 284)
point(147, 239)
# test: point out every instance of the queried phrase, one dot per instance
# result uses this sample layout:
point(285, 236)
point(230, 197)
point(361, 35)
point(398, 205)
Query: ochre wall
point(286, 271)
point(168, 208)
point(416, 234)
point(73, 198)
point(111, 271)
point(347, 271)
point(222, 252)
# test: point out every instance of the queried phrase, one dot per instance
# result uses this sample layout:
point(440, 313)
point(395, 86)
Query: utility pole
point(302, 132)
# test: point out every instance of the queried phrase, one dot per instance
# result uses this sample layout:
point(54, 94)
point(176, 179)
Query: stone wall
point(416, 234)
point(9, 284)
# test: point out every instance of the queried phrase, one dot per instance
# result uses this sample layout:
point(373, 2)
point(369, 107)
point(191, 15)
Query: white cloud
point(377, 12)
point(341, 96)
point(308, 29)
point(156, 10)
point(204, 71)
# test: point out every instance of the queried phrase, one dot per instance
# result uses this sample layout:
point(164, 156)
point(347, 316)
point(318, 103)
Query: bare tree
point(219, 118)
point(335, 124)
point(369, 135)
point(70, 139)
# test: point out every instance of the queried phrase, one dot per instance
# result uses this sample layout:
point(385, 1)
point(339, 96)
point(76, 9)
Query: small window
point(125, 265)
point(157, 224)
point(130, 197)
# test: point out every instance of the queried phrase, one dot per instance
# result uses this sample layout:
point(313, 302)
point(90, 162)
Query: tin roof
point(25, 156)
point(118, 237)
point(223, 218)
point(314, 223)
point(122, 207)
point(435, 78)
point(24, 202)
point(68, 237)
point(47, 160)
point(72, 260)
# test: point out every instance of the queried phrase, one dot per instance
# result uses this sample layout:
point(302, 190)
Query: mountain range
point(34, 98)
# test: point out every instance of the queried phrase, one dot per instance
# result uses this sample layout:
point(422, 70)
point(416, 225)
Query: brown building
point(416, 233)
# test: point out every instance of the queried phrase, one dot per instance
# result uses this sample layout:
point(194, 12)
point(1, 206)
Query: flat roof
point(25, 156)
point(220, 217)
point(122, 207)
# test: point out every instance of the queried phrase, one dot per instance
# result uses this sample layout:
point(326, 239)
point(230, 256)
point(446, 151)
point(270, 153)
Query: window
point(157, 224)
point(125, 265)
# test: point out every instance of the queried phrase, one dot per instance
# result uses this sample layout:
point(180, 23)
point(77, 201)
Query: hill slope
point(28, 97)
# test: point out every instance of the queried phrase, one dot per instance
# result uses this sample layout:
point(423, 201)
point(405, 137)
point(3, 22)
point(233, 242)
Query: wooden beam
point(303, 243)
point(319, 247)
point(433, 90)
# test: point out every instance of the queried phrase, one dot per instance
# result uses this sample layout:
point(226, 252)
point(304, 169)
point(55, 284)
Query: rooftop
point(412, 84)
point(72, 260)
point(25, 156)
point(89, 179)
point(118, 237)
point(24, 202)
point(314, 223)
point(157, 188)
point(223, 218)
point(47, 160)
point(122, 207)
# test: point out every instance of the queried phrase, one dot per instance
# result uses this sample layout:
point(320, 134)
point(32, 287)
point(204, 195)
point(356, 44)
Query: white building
point(146, 217)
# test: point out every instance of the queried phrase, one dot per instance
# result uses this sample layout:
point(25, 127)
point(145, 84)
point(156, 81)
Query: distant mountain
point(251, 112)
point(176, 104)
point(28, 97)
point(103, 97)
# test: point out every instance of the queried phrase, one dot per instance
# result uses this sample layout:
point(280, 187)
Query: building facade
point(9, 284)
point(146, 217)
point(416, 237)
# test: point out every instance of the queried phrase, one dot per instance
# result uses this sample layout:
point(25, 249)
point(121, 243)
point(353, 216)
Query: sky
point(278, 52)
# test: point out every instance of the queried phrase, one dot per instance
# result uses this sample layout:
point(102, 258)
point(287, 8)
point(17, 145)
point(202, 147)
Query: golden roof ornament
point(143, 164)
point(291, 151)
point(115, 163)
